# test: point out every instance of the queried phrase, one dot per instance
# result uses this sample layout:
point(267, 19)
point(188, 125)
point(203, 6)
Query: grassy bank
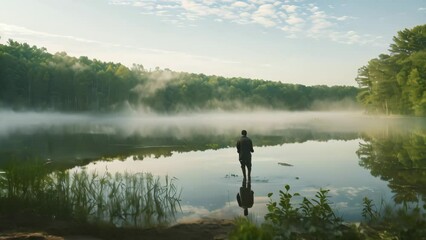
point(122, 200)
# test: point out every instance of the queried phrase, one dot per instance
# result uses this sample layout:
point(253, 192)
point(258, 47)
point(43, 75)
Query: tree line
point(31, 78)
point(395, 83)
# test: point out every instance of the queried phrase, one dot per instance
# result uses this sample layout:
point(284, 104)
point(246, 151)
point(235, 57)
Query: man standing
point(245, 148)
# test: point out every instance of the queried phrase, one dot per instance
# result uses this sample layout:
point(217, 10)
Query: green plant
point(135, 200)
point(247, 230)
point(284, 212)
point(315, 219)
point(369, 210)
point(313, 216)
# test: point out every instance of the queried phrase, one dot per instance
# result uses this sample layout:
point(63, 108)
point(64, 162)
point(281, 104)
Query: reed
point(124, 200)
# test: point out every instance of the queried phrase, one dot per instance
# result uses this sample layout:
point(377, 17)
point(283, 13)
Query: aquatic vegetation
point(369, 210)
point(134, 200)
point(315, 219)
point(395, 222)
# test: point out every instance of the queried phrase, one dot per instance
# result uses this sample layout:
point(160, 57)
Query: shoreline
point(65, 230)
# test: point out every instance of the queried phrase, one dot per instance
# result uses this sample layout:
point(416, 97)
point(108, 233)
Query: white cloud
point(119, 2)
point(240, 4)
point(162, 13)
point(422, 9)
point(146, 5)
point(264, 14)
point(263, 21)
point(167, 6)
point(293, 20)
point(196, 8)
point(13, 30)
point(313, 8)
point(342, 18)
point(245, 14)
point(290, 8)
point(352, 37)
point(320, 22)
point(266, 10)
point(282, 15)
point(292, 30)
point(349, 37)
point(291, 16)
point(208, 2)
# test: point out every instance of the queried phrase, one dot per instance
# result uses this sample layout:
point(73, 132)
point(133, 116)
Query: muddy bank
point(60, 230)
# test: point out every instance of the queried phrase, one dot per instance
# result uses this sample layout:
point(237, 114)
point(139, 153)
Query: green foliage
point(393, 222)
point(283, 213)
point(395, 84)
point(196, 91)
point(314, 219)
point(310, 218)
point(138, 200)
point(369, 210)
point(246, 230)
point(32, 78)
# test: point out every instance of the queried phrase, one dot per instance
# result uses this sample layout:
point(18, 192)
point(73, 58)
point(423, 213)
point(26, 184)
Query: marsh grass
point(124, 200)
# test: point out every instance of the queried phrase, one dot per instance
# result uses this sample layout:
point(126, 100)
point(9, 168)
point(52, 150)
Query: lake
point(351, 154)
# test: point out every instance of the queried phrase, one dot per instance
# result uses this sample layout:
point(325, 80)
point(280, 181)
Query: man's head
point(244, 132)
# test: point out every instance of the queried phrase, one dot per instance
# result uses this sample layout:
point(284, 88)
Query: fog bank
point(207, 123)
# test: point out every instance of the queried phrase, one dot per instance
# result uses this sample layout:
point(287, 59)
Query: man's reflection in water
point(245, 197)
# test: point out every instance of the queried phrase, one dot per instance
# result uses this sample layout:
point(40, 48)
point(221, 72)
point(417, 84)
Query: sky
point(291, 41)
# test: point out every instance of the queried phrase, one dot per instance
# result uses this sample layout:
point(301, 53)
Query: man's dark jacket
point(245, 148)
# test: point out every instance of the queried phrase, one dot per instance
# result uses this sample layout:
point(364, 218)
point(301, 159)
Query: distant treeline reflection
point(134, 200)
point(399, 159)
point(71, 149)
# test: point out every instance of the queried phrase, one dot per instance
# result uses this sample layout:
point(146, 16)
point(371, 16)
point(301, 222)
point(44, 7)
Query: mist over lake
point(199, 123)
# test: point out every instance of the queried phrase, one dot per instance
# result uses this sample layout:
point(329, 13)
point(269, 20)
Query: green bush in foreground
point(315, 219)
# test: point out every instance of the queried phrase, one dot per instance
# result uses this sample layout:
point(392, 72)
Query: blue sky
point(292, 41)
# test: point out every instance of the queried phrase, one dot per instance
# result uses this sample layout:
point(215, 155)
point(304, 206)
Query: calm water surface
point(350, 154)
point(211, 179)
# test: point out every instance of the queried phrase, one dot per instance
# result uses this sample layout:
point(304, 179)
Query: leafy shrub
point(315, 219)
point(311, 217)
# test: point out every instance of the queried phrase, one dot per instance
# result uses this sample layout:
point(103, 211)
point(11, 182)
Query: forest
point(31, 78)
point(395, 83)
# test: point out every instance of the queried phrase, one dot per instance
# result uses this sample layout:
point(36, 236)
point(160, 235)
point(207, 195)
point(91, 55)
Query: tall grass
point(133, 200)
